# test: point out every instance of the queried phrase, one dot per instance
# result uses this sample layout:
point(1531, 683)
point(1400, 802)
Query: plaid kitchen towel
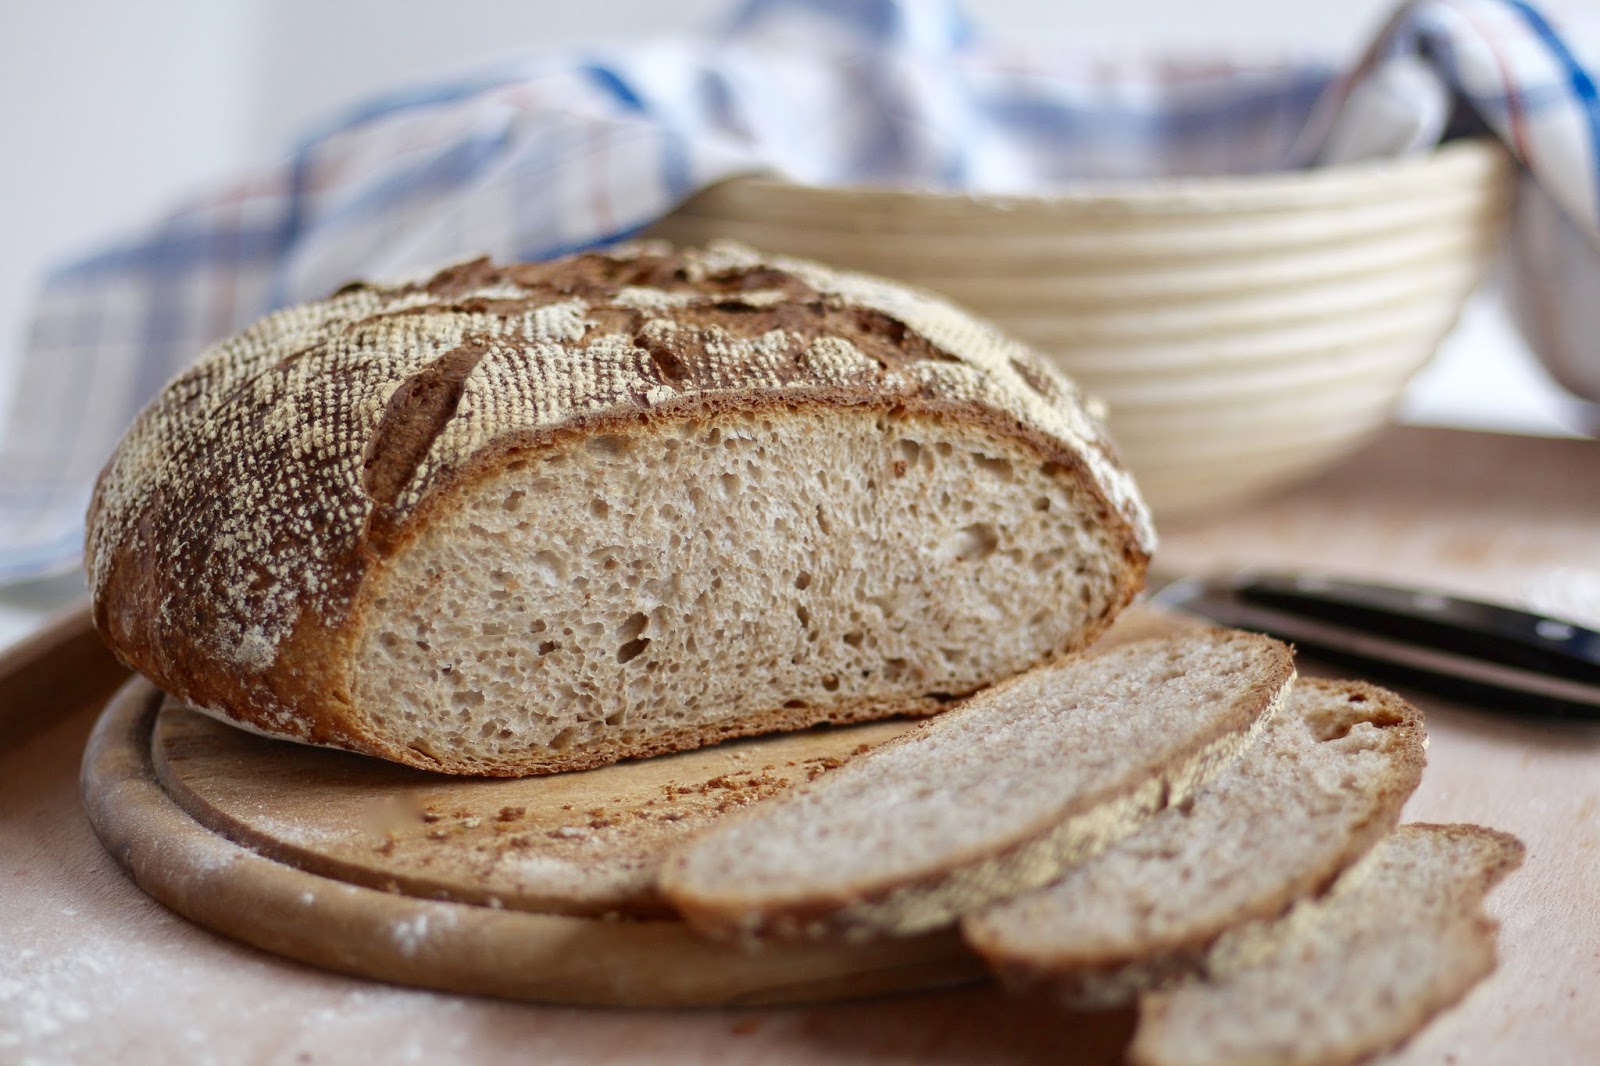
point(574, 152)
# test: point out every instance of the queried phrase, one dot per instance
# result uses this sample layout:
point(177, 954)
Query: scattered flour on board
point(45, 995)
point(411, 933)
point(57, 1001)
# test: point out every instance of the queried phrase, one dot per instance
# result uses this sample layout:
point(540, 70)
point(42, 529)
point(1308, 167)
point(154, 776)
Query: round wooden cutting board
point(536, 888)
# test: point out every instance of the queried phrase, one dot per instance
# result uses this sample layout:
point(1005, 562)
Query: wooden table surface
point(91, 970)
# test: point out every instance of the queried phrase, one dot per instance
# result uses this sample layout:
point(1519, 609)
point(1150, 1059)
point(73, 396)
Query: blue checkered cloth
point(575, 152)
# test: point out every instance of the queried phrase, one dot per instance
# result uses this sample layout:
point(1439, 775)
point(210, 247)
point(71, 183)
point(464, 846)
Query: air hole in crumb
point(802, 581)
point(630, 651)
point(977, 541)
point(599, 508)
point(548, 646)
point(1357, 698)
point(854, 638)
point(1000, 469)
point(513, 500)
point(562, 740)
point(1047, 561)
point(795, 704)
point(1336, 726)
point(1042, 503)
point(632, 627)
point(830, 683)
point(803, 614)
point(909, 450)
point(608, 444)
point(549, 566)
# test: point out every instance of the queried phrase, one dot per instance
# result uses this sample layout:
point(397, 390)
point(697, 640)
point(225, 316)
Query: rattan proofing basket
point(1244, 331)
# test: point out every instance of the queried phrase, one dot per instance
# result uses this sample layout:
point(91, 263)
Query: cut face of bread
point(992, 798)
point(672, 585)
point(1400, 937)
point(1326, 780)
point(543, 516)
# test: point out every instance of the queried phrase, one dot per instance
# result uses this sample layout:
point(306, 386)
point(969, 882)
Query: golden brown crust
point(231, 535)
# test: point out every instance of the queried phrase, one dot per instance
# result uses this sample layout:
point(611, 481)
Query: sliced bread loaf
point(1398, 938)
point(1326, 780)
point(991, 798)
point(538, 517)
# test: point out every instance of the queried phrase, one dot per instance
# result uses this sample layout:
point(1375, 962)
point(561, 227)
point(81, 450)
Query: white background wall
point(111, 108)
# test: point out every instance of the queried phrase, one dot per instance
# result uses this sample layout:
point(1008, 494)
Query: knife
point(1489, 654)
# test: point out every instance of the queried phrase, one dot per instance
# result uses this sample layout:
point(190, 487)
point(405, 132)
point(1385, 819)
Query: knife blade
point(1489, 654)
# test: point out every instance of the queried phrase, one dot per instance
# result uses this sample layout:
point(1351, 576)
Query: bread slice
point(539, 517)
point(989, 799)
point(1326, 780)
point(1400, 937)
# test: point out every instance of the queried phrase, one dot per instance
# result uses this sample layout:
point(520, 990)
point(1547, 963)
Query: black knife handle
point(1487, 631)
point(1482, 653)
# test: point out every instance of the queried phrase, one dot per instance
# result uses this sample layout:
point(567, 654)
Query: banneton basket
point(1245, 331)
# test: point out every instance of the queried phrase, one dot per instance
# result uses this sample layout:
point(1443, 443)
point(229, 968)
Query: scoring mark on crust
point(417, 413)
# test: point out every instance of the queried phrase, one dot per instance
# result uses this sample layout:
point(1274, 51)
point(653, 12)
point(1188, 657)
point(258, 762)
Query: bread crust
point(233, 535)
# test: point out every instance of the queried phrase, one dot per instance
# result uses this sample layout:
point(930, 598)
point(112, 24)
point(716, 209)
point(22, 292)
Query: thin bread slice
point(1397, 939)
point(1325, 782)
point(992, 798)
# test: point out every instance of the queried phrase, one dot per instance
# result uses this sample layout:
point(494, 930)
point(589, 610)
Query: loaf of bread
point(1324, 783)
point(992, 798)
point(1400, 937)
point(521, 519)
